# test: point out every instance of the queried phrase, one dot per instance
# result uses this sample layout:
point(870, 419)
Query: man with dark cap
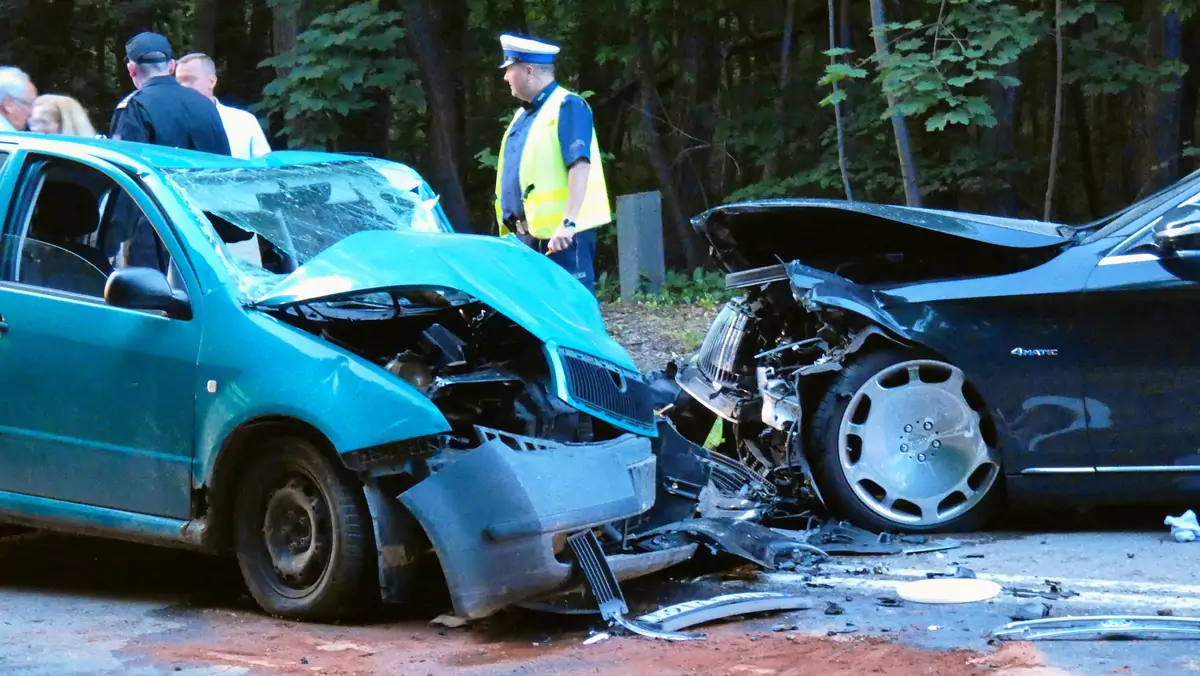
point(550, 187)
point(162, 111)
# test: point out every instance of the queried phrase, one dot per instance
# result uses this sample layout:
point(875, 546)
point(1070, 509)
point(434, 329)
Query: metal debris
point(691, 613)
point(602, 583)
point(961, 572)
point(1099, 626)
point(946, 545)
point(450, 621)
point(603, 636)
point(1033, 611)
point(1055, 592)
point(758, 544)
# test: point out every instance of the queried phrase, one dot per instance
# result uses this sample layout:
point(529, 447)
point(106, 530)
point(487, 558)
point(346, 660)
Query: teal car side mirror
point(145, 289)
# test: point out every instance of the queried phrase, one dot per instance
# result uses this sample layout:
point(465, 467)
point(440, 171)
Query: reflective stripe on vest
point(542, 167)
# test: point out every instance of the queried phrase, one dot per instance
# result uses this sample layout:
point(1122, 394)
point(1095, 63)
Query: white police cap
point(517, 48)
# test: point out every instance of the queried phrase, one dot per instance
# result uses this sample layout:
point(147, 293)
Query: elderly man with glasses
point(17, 95)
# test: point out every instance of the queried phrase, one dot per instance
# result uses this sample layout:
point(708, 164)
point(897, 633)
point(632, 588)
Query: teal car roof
point(163, 157)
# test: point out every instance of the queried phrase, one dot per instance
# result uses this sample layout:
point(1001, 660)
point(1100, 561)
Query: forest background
point(1063, 110)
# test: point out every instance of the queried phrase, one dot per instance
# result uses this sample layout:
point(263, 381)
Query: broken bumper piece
point(498, 516)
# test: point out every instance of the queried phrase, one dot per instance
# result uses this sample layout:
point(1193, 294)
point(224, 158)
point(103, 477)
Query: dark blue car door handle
point(3, 326)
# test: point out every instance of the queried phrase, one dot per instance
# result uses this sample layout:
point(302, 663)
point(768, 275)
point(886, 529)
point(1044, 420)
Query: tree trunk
point(700, 60)
point(1157, 135)
point(285, 28)
point(239, 79)
point(658, 157)
point(908, 168)
point(428, 44)
point(204, 26)
point(837, 120)
point(1167, 122)
point(847, 41)
point(1087, 165)
point(1000, 141)
point(785, 57)
point(1058, 101)
point(517, 18)
point(1188, 95)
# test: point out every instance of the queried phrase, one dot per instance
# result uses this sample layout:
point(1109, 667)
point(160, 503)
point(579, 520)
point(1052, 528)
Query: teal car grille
point(602, 388)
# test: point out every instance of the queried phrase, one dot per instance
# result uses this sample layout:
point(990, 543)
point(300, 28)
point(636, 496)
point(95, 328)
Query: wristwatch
point(568, 223)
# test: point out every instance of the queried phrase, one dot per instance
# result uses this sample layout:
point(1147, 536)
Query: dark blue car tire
point(302, 535)
point(901, 443)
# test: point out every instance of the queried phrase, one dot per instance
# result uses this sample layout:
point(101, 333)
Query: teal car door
point(97, 403)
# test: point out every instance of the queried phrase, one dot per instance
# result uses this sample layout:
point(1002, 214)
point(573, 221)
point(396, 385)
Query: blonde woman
point(57, 114)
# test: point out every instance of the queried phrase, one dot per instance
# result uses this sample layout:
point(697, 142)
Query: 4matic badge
point(1026, 352)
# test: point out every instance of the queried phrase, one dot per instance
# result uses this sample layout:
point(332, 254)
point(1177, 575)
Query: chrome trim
point(1125, 469)
point(1149, 469)
point(1128, 258)
point(718, 399)
point(558, 373)
point(1059, 470)
point(1132, 240)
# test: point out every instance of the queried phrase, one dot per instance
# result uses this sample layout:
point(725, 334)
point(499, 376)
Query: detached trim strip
point(1150, 468)
point(1126, 469)
point(1059, 470)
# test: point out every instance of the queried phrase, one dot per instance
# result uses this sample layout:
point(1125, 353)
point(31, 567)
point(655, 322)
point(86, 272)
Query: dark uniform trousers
point(577, 258)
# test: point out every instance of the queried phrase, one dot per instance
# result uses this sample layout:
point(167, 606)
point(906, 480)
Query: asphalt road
point(81, 606)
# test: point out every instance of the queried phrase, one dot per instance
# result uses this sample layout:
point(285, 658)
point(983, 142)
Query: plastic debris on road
point(1184, 528)
point(1099, 626)
point(948, 590)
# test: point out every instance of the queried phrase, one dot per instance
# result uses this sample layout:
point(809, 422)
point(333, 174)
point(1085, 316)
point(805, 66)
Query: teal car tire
point(303, 535)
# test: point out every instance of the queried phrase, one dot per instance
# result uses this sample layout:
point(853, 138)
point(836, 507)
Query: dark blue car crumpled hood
point(747, 235)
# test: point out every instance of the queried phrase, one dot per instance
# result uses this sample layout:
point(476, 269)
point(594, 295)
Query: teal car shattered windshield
point(303, 209)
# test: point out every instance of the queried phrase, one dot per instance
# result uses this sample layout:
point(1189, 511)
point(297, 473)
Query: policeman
point(162, 111)
point(550, 188)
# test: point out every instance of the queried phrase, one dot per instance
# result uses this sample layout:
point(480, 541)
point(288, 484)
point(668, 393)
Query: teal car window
point(301, 210)
point(78, 226)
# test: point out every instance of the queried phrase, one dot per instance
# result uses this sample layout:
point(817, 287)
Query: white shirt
point(246, 137)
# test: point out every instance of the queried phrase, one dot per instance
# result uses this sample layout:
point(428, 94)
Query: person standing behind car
point(550, 188)
point(162, 111)
point(17, 94)
point(58, 114)
point(246, 138)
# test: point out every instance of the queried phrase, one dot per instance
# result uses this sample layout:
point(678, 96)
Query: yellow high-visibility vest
point(542, 167)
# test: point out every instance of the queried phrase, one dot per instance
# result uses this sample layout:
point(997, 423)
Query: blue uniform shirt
point(574, 134)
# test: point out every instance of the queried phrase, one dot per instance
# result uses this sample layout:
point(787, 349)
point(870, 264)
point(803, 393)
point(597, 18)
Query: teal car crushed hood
point(510, 277)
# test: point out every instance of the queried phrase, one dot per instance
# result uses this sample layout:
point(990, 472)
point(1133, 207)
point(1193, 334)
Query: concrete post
point(640, 242)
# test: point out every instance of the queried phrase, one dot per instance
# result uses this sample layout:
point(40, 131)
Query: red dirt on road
point(270, 647)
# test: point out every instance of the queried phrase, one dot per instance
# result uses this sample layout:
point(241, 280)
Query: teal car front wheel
point(303, 535)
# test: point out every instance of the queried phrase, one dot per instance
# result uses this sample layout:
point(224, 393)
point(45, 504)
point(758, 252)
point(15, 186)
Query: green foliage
point(487, 159)
point(704, 288)
point(937, 69)
point(337, 66)
point(1185, 8)
point(1107, 57)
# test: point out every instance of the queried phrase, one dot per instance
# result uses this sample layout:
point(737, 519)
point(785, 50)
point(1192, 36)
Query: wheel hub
point(294, 531)
point(911, 445)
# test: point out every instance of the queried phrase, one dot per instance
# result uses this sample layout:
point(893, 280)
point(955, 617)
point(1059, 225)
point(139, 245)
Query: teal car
point(295, 361)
